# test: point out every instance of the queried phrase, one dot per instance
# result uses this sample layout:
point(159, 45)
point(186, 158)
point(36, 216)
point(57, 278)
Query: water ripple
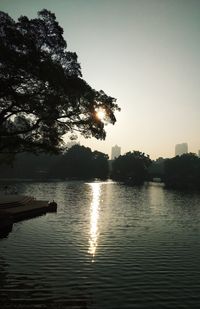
point(108, 246)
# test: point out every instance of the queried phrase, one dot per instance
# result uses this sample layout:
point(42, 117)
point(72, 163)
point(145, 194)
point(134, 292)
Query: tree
point(131, 167)
point(156, 169)
point(182, 172)
point(80, 162)
point(100, 165)
point(42, 93)
point(77, 162)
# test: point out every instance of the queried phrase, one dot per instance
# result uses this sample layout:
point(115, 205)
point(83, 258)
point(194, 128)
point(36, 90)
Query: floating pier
point(14, 208)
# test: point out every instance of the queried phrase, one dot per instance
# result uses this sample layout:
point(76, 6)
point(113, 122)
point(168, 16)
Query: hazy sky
point(145, 53)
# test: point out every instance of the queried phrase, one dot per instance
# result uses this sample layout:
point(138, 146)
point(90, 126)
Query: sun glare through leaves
point(101, 114)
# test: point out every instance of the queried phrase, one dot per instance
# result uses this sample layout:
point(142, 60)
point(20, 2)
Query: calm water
point(108, 246)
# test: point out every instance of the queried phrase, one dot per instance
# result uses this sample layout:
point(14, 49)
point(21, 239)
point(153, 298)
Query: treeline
point(133, 168)
point(78, 162)
point(180, 172)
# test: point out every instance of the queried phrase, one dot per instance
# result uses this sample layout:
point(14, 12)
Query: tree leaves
point(41, 88)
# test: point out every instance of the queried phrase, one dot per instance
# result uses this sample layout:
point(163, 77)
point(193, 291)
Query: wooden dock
point(14, 208)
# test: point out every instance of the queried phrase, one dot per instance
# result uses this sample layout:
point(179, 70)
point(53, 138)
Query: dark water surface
point(108, 246)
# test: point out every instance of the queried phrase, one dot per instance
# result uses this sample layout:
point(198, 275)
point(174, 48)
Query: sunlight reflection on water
point(94, 215)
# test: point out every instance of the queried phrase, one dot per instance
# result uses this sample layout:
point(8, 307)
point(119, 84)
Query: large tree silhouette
point(42, 94)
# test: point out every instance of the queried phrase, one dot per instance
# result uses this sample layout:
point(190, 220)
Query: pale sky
point(145, 53)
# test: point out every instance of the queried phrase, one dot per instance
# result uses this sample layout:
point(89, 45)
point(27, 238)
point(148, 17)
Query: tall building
point(115, 152)
point(199, 153)
point(181, 149)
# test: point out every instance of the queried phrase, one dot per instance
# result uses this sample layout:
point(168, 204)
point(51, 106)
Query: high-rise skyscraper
point(181, 149)
point(115, 152)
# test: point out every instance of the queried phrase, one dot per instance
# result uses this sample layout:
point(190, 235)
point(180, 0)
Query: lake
point(108, 246)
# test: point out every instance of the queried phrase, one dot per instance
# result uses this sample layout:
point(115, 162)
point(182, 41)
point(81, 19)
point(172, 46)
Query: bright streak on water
point(94, 215)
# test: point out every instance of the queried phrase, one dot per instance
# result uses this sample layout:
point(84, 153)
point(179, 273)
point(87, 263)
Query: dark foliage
point(78, 162)
point(131, 168)
point(42, 94)
point(156, 169)
point(182, 172)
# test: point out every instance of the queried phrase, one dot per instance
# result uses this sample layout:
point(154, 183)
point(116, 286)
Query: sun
point(101, 114)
